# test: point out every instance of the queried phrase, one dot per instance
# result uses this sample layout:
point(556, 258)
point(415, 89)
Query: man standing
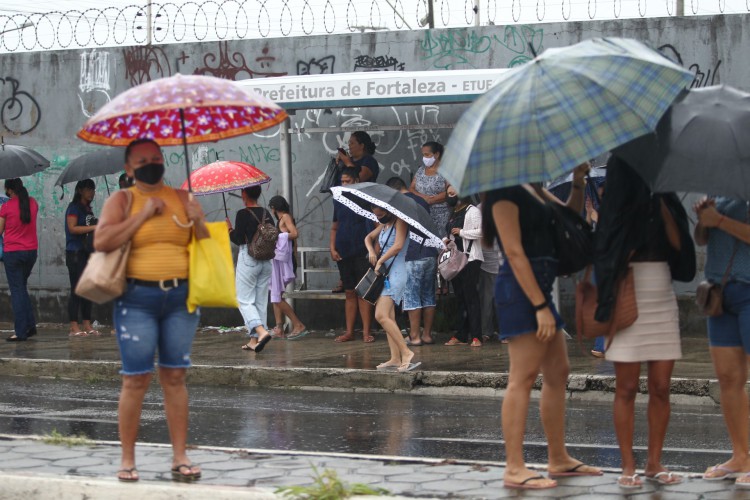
point(348, 250)
point(421, 267)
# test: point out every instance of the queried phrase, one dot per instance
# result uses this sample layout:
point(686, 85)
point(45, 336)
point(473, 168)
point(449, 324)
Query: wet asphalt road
point(384, 424)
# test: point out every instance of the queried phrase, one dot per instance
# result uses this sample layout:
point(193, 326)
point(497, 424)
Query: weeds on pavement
point(328, 486)
point(59, 439)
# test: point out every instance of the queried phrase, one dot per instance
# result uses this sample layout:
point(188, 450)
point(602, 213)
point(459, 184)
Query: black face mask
point(149, 174)
point(385, 219)
point(452, 201)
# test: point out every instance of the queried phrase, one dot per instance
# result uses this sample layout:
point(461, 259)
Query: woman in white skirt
point(648, 233)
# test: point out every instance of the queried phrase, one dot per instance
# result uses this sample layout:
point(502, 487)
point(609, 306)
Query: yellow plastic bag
point(211, 270)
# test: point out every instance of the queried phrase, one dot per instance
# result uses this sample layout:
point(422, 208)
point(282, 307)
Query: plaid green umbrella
point(565, 106)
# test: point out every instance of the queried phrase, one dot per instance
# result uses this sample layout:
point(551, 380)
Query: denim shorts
point(515, 313)
point(420, 287)
point(732, 329)
point(147, 318)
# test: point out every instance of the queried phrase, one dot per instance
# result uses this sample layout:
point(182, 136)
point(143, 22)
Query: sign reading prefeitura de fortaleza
point(375, 89)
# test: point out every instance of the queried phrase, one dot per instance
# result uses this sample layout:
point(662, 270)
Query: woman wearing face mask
point(465, 228)
point(284, 269)
point(432, 186)
point(18, 226)
point(386, 246)
point(80, 224)
point(152, 313)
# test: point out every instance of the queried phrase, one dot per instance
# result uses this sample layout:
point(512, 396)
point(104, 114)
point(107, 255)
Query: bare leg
point(172, 382)
point(428, 315)
point(365, 314)
point(286, 309)
point(385, 314)
point(526, 355)
point(351, 308)
point(133, 390)
point(278, 315)
point(626, 388)
point(74, 328)
point(415, 320)
point(731, 365)
point(659, 376)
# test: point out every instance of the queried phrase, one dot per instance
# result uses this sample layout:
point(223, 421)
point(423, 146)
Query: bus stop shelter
point(366, 89)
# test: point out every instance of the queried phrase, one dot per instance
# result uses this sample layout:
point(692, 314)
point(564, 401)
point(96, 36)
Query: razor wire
point(209, 20)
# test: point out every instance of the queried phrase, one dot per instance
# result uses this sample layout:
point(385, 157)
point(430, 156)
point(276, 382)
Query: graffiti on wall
point(377, 63)
point(93, 83)
point(143, 64)
point(701, 78)
point(523, 41)
point(230, 67)
point(453, 49)
point(321, 66)
point(20, 112)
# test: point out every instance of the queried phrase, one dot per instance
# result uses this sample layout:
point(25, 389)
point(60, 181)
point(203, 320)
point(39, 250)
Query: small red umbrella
point(181, 110)
point(223, 176)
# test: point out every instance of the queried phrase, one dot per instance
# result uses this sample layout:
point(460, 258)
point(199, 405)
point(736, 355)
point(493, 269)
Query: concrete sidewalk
point(32, 469)
point(316, 361)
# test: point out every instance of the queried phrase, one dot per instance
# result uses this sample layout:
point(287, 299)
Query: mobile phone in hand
point(341, 150)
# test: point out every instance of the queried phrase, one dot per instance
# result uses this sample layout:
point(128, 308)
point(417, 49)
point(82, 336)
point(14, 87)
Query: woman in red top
point(18, 225)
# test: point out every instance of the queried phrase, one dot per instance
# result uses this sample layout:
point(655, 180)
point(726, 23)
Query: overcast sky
point(272, 18)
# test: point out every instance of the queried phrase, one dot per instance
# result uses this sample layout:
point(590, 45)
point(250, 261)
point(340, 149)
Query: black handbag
point(331, 177)
point(371, 285)
point(574, 239)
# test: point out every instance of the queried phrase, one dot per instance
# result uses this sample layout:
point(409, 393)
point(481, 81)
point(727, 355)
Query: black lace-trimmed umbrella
point(360, 197)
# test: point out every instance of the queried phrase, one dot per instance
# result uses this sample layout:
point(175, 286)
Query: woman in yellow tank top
point(153, 312)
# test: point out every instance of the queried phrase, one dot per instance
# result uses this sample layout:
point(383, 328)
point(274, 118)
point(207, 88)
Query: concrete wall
point(47, 96)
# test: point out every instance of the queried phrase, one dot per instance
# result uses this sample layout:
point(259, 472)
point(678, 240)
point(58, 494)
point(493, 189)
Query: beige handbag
point(103, 279)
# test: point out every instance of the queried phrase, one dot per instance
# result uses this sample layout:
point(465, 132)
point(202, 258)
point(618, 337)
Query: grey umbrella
point(19, 161)
point(101, 162)
point(359, 198)
point(702, 145)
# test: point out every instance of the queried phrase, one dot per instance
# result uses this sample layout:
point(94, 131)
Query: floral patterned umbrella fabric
point(213, 109)
point(223, 176)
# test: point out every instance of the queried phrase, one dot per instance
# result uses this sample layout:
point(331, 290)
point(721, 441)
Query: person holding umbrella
point(647, 233)
point(152, 313)
point(386, 251)
point(527, 317)
point(80, 224)
point(18, 227)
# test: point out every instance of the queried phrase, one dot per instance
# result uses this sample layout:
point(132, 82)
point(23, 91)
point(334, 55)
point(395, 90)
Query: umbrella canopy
point(20, 161)
point(181, 110)
point(223, 176)
point(102, 162)
point(359, 197)
point(560, 187)
point(212, 109)
point(565, 106)
point(701, 145)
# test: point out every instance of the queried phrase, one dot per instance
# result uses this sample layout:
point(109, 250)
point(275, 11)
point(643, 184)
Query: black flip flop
point(130, 479)
point(262, 342)
point(184, 478)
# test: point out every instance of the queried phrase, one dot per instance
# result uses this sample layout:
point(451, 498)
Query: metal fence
point(157, 23)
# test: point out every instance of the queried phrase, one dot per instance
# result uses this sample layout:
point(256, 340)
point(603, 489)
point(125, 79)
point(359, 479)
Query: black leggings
point(76, 262)
point(466, 287)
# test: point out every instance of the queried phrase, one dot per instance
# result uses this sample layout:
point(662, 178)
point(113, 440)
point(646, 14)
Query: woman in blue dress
point(391, 235)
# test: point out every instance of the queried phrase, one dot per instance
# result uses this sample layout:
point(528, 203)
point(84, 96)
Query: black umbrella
point(101, 162)
point(19, 161)
point(359, 198)
point(702, 144)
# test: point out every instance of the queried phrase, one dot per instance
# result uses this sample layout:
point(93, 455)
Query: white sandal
point(629, 482)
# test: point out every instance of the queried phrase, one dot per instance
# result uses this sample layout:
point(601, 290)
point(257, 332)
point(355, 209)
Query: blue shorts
point(515, 313)
point(147, 318)
point(732, 329)
point(420, 287)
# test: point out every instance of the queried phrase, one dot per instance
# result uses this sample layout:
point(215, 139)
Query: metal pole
point(476, 13)
point(679, 8)
point(286, 163)
point(148, 23)
point(430, 14)
point(393, 8)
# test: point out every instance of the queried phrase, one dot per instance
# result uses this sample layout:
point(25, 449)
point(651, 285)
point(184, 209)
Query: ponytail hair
point(16, 185)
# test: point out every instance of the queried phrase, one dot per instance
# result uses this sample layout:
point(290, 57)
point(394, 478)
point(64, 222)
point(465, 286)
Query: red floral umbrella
point(223, 176)
point(181, 110)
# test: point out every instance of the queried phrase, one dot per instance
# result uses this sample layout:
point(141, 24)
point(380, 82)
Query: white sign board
point(375, 88)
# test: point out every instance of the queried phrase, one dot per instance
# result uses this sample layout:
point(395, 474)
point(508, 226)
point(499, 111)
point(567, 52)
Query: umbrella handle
point(184, 144)
point(224, 199)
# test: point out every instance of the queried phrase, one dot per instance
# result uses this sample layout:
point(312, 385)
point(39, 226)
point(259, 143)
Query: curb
point(683, 390)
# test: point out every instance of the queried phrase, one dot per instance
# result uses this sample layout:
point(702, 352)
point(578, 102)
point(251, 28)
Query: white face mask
point(428, 162)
